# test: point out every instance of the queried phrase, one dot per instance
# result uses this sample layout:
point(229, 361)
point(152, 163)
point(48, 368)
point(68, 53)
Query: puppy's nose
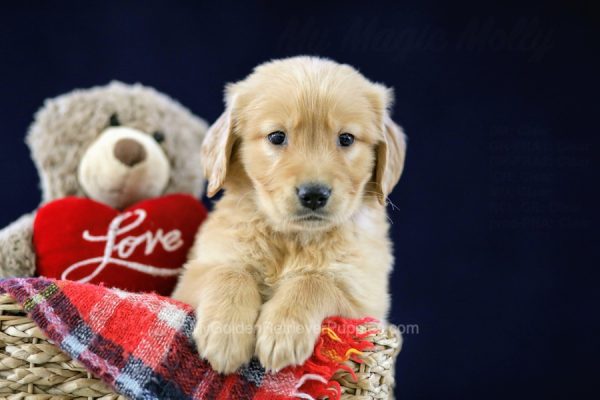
point(313, 195)
point(129, 151)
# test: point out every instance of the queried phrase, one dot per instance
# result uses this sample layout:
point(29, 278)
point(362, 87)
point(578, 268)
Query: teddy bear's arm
point(17, 256)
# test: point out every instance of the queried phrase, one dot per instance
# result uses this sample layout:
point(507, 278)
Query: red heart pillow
point(140, 249)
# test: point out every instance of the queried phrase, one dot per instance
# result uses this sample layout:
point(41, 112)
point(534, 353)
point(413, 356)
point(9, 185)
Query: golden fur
point(262, 277)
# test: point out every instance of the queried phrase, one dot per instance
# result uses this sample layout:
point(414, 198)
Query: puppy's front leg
point(290, 322)
point(227, 303)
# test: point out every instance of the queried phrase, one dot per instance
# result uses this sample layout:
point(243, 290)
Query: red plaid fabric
point(141, 345)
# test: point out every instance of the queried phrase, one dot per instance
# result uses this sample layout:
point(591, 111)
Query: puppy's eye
point(158, 136)
point(277, 138)
point(114, 120)
point(346, 139)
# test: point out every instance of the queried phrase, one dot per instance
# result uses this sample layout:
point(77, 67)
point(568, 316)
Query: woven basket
point(32, 368)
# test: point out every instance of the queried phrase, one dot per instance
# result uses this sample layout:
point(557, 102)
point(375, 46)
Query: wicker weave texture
point(32, 368)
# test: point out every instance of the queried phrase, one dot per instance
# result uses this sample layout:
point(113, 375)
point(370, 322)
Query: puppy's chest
point(274, 258)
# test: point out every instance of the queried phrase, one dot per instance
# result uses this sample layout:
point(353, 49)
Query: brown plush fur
point(65, 129)
point(69, 124)
point(261, 276)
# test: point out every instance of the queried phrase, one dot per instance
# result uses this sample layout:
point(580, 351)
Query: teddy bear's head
point(117, 144)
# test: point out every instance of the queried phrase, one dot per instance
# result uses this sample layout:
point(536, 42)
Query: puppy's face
point(310, 135)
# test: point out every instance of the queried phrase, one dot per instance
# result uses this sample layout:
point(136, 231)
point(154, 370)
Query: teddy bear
point(109, 158)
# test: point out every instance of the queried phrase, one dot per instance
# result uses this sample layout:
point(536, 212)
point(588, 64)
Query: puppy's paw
point(225, 341)
point(283, 340)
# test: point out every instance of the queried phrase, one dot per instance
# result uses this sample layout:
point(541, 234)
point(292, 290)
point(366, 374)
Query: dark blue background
point(495, 225)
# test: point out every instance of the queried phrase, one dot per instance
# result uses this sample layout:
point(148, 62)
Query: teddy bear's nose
point(129, 151)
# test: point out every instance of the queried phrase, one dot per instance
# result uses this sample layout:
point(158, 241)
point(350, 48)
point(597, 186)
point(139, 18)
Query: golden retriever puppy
point(307, 154)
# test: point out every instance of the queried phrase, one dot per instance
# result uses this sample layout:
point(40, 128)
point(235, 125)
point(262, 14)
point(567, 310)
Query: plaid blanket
point(141, 345)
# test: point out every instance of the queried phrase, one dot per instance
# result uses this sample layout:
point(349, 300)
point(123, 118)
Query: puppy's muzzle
point(313, 195)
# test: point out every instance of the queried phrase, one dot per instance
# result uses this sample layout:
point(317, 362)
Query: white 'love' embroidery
point(124, 248)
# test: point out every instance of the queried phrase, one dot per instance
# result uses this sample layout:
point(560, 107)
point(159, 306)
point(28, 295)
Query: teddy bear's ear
point(216, 151)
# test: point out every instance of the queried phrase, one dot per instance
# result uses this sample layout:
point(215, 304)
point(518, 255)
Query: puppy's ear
point(390, 159)
point(216, 150)
point(391, 150)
